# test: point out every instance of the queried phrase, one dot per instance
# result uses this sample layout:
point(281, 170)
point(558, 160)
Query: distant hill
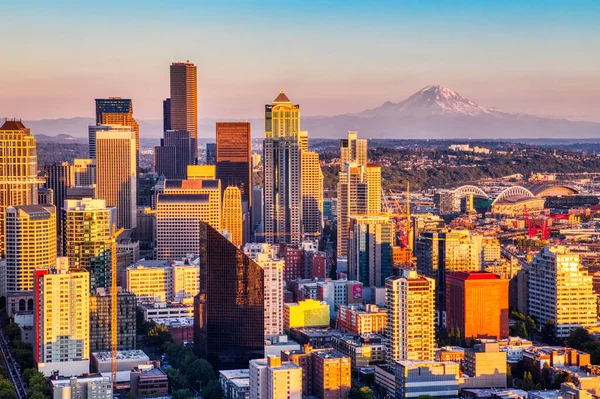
point(434, 112)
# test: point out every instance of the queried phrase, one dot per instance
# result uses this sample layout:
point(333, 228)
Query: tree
point(509, 376)
point(183, 394)
point(549, 333)
point(527, 383)
point(177, 380)
point(519, 330)
point(200, 373)
point(158, 335)
point(546, 379)
point(424, 397)
point(12, 331)
point(7, 389)
point(578, 338)
point(212, 390)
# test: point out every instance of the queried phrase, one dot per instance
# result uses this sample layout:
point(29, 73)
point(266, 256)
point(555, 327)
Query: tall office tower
point(119, 111)
point(282, 172)
point(229, 310)
point(62, 320)
point(166, 114)
point(174, 154)
point(312, 193)
point(257, 212)
point(184, 102)
point(271, 378)
point(477, 305)
point(83, 172)
point(560, 290)
point(58, 178)
point(353, 149)
point(232, 214)
point(212, 188)
point(332, 374)
point(264, 255)
point(18, 169)
point(86, 241)
point(370, 242)
point(101, 321)
point(303, 140)
point(233, 157)
point(30, 244)
point(374, 193)
point(211, 153)
point(45, 196)
point(410, 325)
point(352, 199)
point(116, 171)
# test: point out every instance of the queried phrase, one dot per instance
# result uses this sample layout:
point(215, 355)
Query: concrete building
point(174, 155)
point(62, 320)
point(116, 171)
point(83, 172)
point(186, 280)
point(337, 293)
point(235, 384)
point(312, 193)
point(560, 290)
point(410, 323)
point(184, 102)
point(118, 111)
point(352, 199)
point(273, 379)
point(30, 232)
point(437, 379)
point(93, 386)
point(150, 281)
point(370, 243)
point(485, 366)
point(161, 311)
point(331, 375)
point(282, 172)
point(148, 380)
point(86, 243)
point(101, 321)
point(359, 320)
point(232, 220)
point(57, 178)
point(364, 350)
point(353, 149)
point(477, 305)
point(19, 179)
point(307, 313)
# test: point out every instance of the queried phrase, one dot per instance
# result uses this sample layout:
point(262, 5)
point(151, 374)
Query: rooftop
point(475, 275)
point(13, 125)
point(121, 355)
point(233, 374)
point(329, 354)
point(176, 322)
point(282, 98)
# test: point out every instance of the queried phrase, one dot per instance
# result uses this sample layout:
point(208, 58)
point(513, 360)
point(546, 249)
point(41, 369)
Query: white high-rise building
point(411, 317)
point(560, 290)
point(116, 170)
point(264, 255)
point(273, 379)
point(62, 314)
point(282, 172)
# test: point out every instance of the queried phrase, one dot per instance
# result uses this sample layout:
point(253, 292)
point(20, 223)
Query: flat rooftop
point(121, 355)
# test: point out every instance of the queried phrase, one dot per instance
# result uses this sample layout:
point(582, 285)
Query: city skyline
point(500, 56)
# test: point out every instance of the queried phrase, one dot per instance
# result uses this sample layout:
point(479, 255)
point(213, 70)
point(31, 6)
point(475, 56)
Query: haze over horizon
point(540, 58)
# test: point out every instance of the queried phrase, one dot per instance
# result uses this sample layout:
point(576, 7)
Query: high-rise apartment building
point(232, 214)
point(273, 379)
point(332, 374)
point(263, 254)
point(229, 310)
point(312, 193)
point(374, 192)
point(62, 320)
point(282, 172)
point(560, 290)
point(30, 245)
point(370, 243)
point(477, 305)
point(174, 154)
point(18, 169)
point(411, 317)
point(116, 171)
point(184, 102)
point(119, 111)
point(233, 165)
point(353, 150)
point(86, 242)
point(101, 321)
point(58, 178)
point(353, 197)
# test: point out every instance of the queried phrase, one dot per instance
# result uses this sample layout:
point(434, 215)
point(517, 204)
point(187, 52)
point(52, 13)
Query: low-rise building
point(332, 375)
point(364, 350)
point(450, 354)
point(307, 313)
point(90, 386)
point(149, 380)
point(235, 384)
point(315, 337)
point(484, 367)
point(181, 329)
point(358, 319)
point(437, 379)
point(271, 378)
point(126, 360)
point(163, 311)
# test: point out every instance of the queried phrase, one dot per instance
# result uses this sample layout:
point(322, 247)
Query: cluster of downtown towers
point(229, 309)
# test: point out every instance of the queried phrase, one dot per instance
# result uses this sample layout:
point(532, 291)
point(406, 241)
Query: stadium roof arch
point(512, 193)
point(550, 190)
point(463, 191)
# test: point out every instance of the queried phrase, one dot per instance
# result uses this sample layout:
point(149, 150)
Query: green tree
point(12, 331)
point(212, 390)
point(158, 335)
point(519, 330)
point(546, 379)
point(7, 389)
point(183, 394)
point(177, 380)
point(527, 383)
point(200, 373)
point(36, 395)
point(578, 338)
point(509, 376)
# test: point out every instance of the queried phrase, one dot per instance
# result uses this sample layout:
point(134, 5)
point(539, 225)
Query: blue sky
point(542, 57)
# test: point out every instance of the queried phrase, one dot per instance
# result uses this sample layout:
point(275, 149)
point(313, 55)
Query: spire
point(282, 98)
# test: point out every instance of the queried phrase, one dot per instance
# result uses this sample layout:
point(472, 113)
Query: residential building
point(485, 365)
point(116, 171)
point(93, 386)
point(235, 384)
point(184, 102)
point(332, 374)
point(62, 320)
point(282, 172)
point(352, 199)
point(361, 320)
point(186, 280)
point(271, 378)
point(312, 193)
point(410, 324)
point(307, 313)
point(419, 377)
point(364, 350)
point(18, 170)
point(101, 321)
point(150, 281)
point(560, 290)
point(118, 111)
point(232, 220)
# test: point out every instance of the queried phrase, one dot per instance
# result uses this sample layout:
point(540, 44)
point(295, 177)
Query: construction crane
point(403, 229)
point(113, 300)
point(533, 228)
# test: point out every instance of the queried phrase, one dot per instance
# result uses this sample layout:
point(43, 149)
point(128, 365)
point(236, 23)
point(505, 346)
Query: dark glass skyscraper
point(57, 178)
point(166, 115)
point(174, 154)
point(233, 166)
point(229, 310)
point(211, 153)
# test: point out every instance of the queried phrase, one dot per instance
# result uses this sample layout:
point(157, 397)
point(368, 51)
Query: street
point(12, 368)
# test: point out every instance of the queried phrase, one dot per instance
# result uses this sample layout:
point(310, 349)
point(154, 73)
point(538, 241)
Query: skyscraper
point(101, 321)
point(86, 242)
point(62, 320)
point(18, 169)
point(119, 111)
point(353, 199)
point(116, 171)
point(233, 157)
point(282, 172)
point(374, 192)
point(83, 172)
point(58, 178)
point(174, 154)
point(560, 290)
point(30, 245)
point(184, 102)
point(353, 149)
point(410, 325)
point(232, 214)
point(312, 193)
point(229, 310)
point(211, 153)
point(477, 305)
point(166, 114)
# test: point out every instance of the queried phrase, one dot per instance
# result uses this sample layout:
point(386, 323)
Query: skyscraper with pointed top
point(282, 172)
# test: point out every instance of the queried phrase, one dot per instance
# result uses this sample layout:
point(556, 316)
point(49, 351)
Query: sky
point(332, 57)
